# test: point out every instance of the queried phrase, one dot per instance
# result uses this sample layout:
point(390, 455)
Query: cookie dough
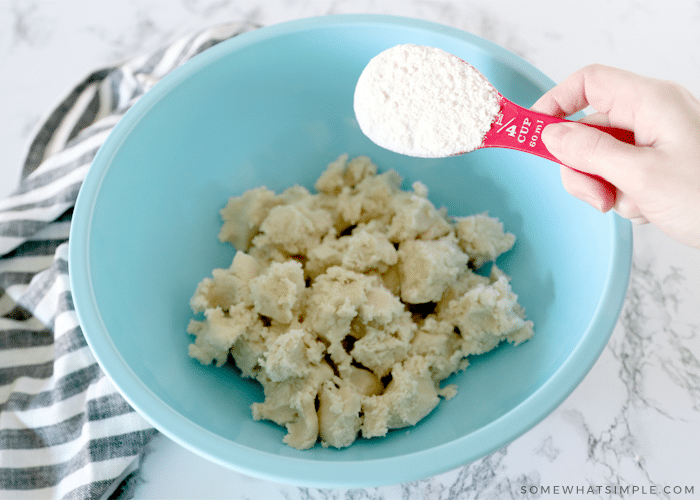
point(352, 304)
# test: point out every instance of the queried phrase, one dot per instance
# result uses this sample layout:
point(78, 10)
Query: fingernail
point(594, 201)
point(639, 220)
point(600, 194)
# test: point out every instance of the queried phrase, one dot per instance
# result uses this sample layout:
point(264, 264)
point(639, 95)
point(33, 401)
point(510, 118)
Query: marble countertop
point(632, 428)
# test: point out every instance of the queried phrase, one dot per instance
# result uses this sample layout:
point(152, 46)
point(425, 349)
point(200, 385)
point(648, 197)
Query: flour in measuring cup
point(422, 101)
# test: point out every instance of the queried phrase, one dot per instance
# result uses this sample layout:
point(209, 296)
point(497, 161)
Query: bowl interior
point(272, 108)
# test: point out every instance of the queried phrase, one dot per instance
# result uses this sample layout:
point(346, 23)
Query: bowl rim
point(307, 472)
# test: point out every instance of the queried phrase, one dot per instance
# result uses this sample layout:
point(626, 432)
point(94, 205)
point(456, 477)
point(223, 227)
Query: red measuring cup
point(520, 128)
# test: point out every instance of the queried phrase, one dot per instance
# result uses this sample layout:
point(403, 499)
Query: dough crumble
point(352, 304)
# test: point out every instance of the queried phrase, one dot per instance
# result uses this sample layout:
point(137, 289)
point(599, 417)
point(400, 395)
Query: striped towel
point(65, 432)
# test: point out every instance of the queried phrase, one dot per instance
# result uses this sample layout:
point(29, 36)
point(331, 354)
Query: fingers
point(602, 171)
point(600, 194)
point(611, 91)
point(595, 191)
point(627, 208)
point(591, 151)
point(566, 98)
point(596, 119)
point(592, 189)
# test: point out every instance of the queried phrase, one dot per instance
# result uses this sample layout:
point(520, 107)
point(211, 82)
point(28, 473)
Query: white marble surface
point(634, 422)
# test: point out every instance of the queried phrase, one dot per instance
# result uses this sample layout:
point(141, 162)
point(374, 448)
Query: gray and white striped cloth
point(65, 431)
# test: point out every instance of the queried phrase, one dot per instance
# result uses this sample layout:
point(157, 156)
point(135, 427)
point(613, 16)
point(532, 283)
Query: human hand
point(658, 179)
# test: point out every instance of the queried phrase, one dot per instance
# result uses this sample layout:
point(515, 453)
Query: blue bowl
point(272, 107)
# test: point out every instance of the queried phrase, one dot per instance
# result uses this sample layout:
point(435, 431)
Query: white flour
point(422, 101)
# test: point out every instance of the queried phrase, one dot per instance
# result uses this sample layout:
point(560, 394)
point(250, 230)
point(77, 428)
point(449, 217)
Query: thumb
point(589, 150)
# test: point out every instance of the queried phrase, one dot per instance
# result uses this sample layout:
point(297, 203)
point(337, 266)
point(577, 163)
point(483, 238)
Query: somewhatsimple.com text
point(608, 490)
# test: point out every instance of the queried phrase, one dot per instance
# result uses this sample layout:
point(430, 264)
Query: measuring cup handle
point(519, 128)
